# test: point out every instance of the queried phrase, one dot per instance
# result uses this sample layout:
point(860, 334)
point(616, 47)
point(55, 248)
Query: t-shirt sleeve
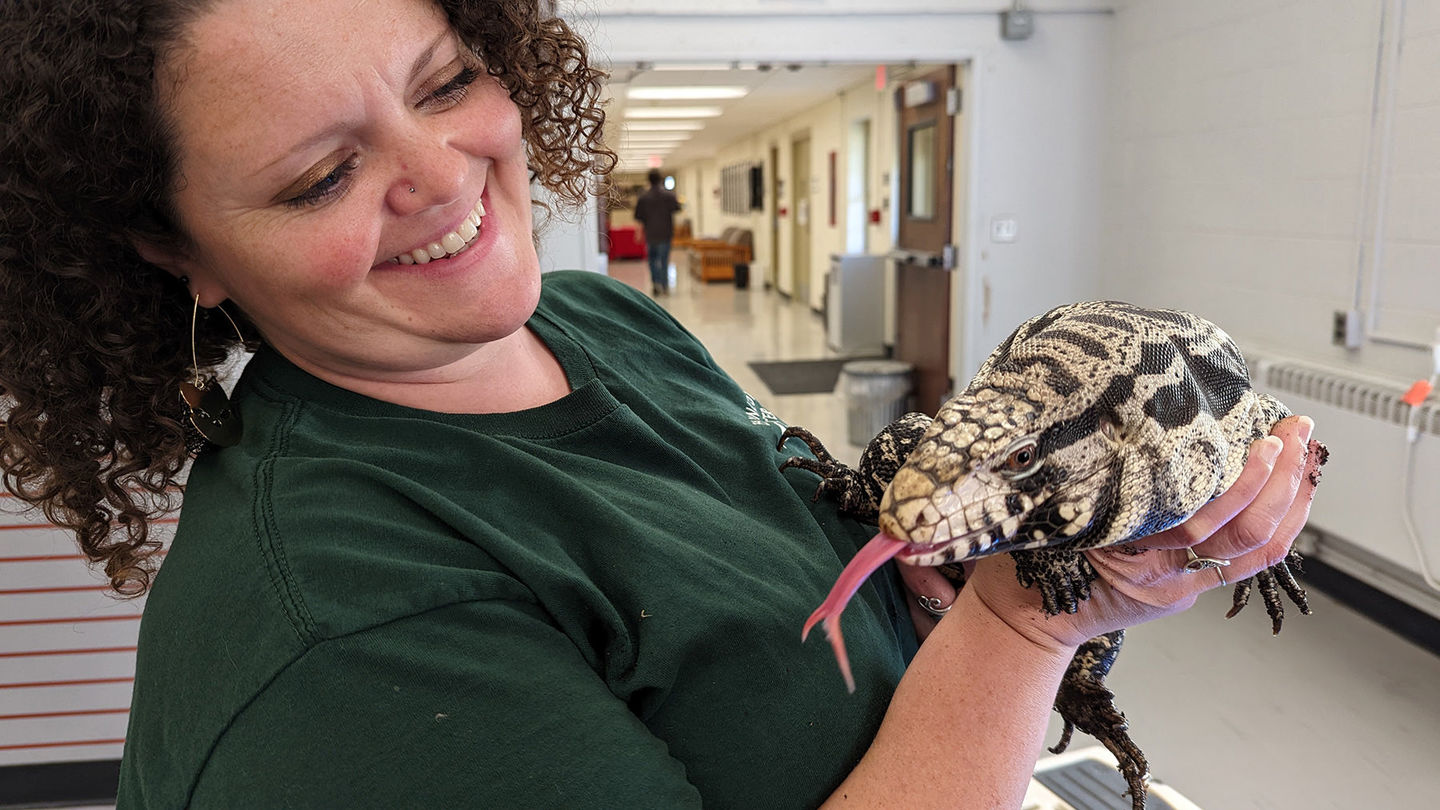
point(477, 704)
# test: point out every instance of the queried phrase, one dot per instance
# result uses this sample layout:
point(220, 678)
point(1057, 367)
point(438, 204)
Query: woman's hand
point(1252, 524)
point(926, 582)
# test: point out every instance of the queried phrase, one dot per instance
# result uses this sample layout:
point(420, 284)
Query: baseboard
point(1397, 616)
point(59, 783)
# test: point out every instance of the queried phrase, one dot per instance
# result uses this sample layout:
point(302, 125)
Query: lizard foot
point(858, 491)
point(836, 479)
point(1062, 576)
point(1278, 577)
point(1084, 702)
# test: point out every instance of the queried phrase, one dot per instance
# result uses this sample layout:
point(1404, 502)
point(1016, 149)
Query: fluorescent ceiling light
point(665, 126)
point(669, 66)
point(656, 137)
point(672, 112)
point(694, 93)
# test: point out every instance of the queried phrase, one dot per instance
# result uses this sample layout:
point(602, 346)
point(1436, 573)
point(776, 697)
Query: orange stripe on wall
point(54, 557)
point(20, 622)
point(65, 589)
point(69, 743)
point(16, 526)
point(86, 682)
point(77, 713)
point(42, 558)
point(89, 651)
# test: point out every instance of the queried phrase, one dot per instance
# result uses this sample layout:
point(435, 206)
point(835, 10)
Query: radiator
point(1357, 522)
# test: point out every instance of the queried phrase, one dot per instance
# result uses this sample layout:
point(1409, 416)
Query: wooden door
point(924, 253)
point(772, 273)
point(800, 219)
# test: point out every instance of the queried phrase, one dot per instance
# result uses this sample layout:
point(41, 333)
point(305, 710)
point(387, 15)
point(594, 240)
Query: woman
point(476, 540)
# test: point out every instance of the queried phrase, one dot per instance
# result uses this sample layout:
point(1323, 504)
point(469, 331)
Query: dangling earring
point(209, 415)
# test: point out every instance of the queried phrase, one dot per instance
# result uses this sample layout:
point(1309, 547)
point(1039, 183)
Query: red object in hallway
point(624, 244)
point(875, 216)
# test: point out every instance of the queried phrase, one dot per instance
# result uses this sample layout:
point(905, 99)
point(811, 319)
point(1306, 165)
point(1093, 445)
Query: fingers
point(1252, 562)
point(929, 583)
point(1259, 523)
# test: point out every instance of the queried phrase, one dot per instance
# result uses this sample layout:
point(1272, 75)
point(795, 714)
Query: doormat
point(801, 376)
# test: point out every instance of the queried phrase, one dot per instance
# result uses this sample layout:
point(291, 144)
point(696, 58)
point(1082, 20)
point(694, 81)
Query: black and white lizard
point(1094, 424)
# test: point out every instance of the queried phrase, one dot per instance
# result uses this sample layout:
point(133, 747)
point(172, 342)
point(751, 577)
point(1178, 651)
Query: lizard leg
point(1062, 576)
point(1278, 577)
point(1084, 702)
point(815, 445)
point(1285, 576)
point(859, 490)
point(840, 481)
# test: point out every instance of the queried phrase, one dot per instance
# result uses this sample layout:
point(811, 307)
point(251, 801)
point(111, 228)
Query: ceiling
point(774, 93)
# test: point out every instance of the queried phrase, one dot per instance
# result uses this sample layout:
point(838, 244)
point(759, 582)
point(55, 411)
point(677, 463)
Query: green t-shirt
point(592, 603)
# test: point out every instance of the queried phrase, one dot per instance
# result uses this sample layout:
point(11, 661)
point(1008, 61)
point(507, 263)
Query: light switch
point(1003, 229)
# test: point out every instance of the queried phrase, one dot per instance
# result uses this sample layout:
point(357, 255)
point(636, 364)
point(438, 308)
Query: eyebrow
point(429, 53)
point(340, 126)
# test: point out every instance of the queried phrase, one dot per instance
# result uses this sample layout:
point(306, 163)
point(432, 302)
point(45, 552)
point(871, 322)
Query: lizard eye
point(1022, 459)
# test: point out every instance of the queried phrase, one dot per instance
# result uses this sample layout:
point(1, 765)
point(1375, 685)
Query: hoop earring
point(210, 418)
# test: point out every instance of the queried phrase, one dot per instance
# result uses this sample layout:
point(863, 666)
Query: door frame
point(926, 259)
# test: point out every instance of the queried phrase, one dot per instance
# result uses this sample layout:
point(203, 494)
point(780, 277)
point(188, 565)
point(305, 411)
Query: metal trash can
point(877, 393)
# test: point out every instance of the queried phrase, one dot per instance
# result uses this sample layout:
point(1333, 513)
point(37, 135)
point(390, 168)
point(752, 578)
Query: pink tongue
point(880, 548)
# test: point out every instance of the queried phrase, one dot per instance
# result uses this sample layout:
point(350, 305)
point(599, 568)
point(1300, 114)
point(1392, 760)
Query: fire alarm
point(1017, 23)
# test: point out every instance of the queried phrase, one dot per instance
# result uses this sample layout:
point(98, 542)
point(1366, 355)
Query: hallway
point(739, 326)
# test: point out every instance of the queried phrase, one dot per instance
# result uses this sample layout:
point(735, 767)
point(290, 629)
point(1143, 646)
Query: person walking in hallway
point(655, 219)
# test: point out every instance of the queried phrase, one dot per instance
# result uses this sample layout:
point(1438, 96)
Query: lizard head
point(994, 474)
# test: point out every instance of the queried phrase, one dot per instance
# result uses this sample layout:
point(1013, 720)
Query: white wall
point(566, 239)
point(1271, 163)
point(1242, 148)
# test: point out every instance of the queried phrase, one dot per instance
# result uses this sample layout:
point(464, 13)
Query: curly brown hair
point(94, 341)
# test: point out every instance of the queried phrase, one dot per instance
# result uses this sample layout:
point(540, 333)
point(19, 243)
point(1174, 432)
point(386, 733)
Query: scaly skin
point(1092, 425)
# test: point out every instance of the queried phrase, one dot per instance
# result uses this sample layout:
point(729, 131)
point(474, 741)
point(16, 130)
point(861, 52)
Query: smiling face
point(333, 158)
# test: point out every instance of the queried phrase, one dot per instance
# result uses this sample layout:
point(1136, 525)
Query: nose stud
point(412, 189)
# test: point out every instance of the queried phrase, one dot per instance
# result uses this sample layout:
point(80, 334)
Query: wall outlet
point(1345, 331)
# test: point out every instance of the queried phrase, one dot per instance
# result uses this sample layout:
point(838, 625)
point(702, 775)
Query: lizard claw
point(1278, 577)
point(1062, 576)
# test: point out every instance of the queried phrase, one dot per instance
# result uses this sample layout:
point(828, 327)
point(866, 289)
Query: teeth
point(451, 243)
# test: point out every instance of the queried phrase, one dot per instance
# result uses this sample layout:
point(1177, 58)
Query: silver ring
point(1195, 562)
point(931, 605)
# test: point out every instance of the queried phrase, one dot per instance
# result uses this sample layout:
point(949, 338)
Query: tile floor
point(1336, 713)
